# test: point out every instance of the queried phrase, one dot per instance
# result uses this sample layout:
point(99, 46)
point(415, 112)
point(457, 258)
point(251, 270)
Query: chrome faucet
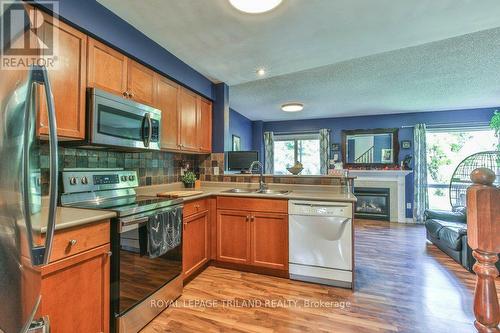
point(262, 184)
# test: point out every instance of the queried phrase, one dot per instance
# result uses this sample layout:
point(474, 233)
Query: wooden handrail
point(483, 236)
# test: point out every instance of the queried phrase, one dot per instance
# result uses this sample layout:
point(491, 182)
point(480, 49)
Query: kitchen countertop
point(69, 217)
point(299, 192)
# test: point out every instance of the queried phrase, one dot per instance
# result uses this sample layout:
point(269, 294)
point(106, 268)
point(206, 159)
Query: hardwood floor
point(403, 284)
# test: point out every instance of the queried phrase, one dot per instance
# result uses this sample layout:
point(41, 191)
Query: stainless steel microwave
point(118, 122)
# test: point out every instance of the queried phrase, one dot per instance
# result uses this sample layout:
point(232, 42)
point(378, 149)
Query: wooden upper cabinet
point(233, 236)
point(188, 106)
point(106, 68)
point(67, 80)
point(195, 242)
point(269, 235)
point(166, 99)
point(204, 125)
point(140, 83)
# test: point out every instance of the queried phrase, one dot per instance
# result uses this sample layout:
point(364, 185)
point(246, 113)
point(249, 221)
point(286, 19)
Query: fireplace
point(373, 203)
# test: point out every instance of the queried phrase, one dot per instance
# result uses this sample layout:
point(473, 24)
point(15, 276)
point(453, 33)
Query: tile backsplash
point(153, 167)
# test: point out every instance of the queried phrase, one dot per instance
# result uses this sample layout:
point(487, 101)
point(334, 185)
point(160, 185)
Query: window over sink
point(289, 148)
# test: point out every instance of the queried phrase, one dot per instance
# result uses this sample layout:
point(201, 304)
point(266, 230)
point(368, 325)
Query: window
point(297, 147)
point(446, 148)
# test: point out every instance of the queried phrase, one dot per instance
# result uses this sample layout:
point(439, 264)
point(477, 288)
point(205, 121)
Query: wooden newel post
point(483, 236)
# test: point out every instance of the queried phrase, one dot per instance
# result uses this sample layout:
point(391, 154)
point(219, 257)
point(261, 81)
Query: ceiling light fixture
point(261, 72)
point(255, 6)
point(292, 107)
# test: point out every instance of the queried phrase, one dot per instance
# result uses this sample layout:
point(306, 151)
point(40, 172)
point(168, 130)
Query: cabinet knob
point(110, 253)
point(125, 94)
point(72, 242)
point(130, 95)
point(252, 218)
point(248, 217)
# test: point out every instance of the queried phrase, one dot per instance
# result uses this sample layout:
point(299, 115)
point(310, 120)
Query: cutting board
point(178, 194)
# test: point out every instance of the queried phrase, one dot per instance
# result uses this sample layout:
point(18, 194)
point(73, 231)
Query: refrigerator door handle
point(40, 254)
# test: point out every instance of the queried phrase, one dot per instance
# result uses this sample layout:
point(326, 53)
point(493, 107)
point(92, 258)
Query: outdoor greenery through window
point(446, 148)
point(297, 147)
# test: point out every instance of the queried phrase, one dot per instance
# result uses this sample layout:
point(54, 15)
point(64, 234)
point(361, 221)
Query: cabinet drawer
point(71, 241)
point(194, 207)
point(253, 204)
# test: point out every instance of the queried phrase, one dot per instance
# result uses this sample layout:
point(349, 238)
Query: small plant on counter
point(188, 179)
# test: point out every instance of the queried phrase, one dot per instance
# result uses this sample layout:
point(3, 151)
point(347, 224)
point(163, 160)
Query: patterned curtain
point(269, 152)
point(324, 149)
point(420, 199)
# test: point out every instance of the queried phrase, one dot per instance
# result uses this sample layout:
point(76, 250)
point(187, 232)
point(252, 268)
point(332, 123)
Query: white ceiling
point(338, 57)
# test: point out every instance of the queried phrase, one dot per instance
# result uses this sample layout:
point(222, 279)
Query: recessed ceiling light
point(261, 72)
point(255, 6)
point(292, 107)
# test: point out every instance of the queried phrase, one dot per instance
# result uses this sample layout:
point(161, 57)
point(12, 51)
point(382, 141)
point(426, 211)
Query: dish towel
point(164, 232)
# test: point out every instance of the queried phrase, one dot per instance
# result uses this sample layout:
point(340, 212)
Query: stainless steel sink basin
point(245, 190)
point(273, 192)
point(240, 190)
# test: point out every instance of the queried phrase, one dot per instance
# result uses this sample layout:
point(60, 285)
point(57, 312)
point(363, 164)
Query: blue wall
point(241, 126)
point(336, 125)
point(103, 24)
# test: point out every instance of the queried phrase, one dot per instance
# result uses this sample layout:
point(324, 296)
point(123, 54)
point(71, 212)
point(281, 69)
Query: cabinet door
point(106, 68)
point(204, 124)
point(233, 236)
point(269, 238)
point(75, 292)
point(140, 83)
point(67, 80)
point(188, 116)
point(166, 99)
point(195, 242)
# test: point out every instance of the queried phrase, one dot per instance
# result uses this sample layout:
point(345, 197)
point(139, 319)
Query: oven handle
point(130, 223)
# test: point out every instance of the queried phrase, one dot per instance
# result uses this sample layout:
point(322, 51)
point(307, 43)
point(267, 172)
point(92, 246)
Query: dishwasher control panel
point(320, 208)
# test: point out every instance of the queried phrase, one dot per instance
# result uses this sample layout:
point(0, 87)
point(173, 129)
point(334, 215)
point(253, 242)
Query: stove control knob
point(131, 177)
point(72, 180)
point(85, 180)
point(124, 178)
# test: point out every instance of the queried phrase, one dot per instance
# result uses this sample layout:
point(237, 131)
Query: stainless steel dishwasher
point(320, 241)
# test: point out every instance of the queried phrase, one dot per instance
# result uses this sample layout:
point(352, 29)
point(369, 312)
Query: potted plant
point(495, 125)
point(188, 179)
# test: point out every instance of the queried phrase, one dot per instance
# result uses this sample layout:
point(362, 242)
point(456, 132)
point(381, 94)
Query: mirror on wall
point(375, 147)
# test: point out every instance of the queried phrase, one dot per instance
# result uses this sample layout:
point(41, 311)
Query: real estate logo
point(27, 36)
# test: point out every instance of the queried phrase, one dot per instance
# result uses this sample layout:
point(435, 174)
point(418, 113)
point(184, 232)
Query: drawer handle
point(72, 242)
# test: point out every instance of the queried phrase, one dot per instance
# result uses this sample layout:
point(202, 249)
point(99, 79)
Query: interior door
point(188, 118)
point(166, 99)
point(233, 236)
point(269, 235)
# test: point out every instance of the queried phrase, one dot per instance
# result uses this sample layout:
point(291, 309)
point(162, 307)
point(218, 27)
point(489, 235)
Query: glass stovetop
point(127, 205)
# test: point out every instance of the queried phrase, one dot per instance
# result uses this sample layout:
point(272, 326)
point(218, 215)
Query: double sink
point(257, 191)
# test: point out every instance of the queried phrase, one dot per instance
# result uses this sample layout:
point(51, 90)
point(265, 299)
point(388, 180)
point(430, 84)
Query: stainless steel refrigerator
point(24, 215)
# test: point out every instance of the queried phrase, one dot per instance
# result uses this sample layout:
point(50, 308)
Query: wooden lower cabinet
point(233, 236)
point(75, 292)
point(269, 235)
point(195, 245)
point(252, 238)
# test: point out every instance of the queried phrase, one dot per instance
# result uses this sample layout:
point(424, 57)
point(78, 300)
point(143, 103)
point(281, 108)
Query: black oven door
point(136, 273)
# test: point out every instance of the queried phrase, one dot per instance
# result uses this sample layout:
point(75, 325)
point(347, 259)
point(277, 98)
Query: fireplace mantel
point(383, 178)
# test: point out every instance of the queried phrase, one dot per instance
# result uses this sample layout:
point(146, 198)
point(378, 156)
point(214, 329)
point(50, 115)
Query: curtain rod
point(296, 132)
point(451, 124)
